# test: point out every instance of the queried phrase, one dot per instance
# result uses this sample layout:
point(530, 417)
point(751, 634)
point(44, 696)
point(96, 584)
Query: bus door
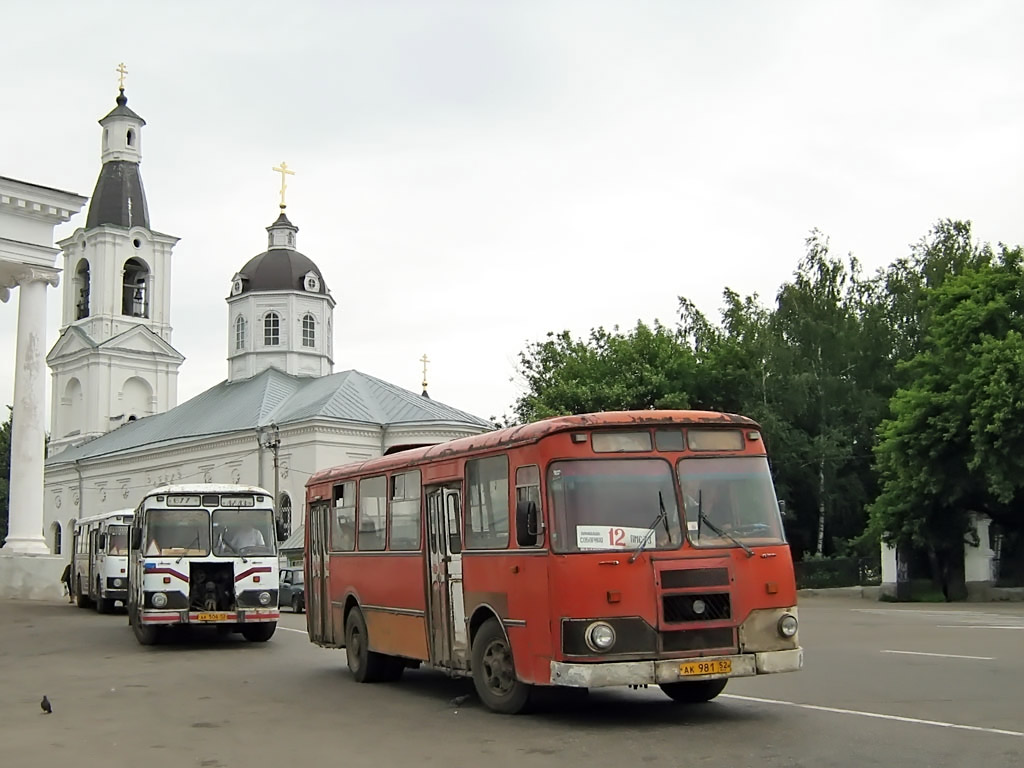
point(318, 595)
point(93, 558)
point(448, 645)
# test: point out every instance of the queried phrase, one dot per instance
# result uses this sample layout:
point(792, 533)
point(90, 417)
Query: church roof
point(348, 397)
point(122, 110)
point(119, 198)
point(279, 269)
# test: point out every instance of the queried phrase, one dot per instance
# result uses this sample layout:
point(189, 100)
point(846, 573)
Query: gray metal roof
point(273, 396)
point(296, 542)
point(119, 182)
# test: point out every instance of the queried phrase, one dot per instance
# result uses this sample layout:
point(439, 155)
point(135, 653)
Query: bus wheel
point(80, 599)
point(146, 635)
point(104, 606)
point(696, 692)
point(259, 633)
point(494, 673)
point(296, 605)
point(365, 665)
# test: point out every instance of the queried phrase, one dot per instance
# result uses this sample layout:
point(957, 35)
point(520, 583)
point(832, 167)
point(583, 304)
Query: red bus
point(612, 549)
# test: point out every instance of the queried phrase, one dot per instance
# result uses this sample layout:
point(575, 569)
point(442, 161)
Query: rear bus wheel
point(494, 672)
point(365, 665)
point(694, 692)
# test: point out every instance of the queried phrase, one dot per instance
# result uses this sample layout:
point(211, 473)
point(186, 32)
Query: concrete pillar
point(25, 521)
point(978, 559)
point(889, 571)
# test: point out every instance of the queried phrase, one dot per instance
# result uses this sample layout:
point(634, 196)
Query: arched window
point(271, 329)
point(308, 331)
point(134, 292)
point(239, 332)
point(55, 533)
point(285, 510)
point(130, 138)
point(82, 286)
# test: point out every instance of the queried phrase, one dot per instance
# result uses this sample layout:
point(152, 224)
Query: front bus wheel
point(494, 673)
point(259, 632)
point(694, 692)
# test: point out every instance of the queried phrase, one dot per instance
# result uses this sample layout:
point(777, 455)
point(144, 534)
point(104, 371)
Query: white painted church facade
point(281, 413)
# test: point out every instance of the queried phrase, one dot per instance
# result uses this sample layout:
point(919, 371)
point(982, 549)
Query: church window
point(239, 333)
point(135, 289)
point(81, 285)
point(308, 331)
point(56, 533)
point(285, 508)
point(271, 329)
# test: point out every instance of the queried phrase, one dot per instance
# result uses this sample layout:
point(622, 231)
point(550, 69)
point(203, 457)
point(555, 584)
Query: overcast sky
point(473, 175)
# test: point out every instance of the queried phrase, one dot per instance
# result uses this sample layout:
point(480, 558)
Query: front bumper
point(212, 617)
point(606, 674)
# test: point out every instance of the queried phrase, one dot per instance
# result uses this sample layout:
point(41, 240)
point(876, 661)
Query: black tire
point(365, 665)
point(494, 673)
point(146, 635)
point(104, 606)
point(81, 599)
point(694, 692)
point(259, 633)
point(296, 605)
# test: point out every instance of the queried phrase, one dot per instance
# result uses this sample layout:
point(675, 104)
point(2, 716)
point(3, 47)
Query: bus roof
point(530, 433)
point(183, 488)
point(129, 512)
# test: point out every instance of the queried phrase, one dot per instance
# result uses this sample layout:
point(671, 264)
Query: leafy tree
point(955, 441)
point(5, 473)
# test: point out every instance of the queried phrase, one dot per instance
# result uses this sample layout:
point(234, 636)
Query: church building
point(281, 414)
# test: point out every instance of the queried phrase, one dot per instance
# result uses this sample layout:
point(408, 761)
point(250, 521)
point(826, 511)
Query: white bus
point(204, 554)
point(99, 574)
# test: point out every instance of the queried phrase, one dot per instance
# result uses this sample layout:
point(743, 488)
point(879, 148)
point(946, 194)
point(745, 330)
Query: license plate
point(213, 616)
point(712, 667)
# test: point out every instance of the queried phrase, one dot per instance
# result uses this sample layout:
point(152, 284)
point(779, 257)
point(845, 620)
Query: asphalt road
point(892, 685)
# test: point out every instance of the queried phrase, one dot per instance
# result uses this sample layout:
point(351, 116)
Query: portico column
point(25, 523)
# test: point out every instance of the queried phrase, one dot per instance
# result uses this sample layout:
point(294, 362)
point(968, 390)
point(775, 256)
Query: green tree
point(649, 367)
point(955, 441)
point(5, 473)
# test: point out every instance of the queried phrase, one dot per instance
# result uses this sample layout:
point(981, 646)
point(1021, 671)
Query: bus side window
point(487, 497)
point(528, 489)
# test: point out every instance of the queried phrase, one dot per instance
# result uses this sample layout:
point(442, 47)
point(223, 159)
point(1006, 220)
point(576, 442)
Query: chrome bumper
point(606, 674)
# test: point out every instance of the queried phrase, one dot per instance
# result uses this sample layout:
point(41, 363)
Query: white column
point(25, 523)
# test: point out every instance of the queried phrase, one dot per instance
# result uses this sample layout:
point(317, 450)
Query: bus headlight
point(159, 600)
point(118, 583)
point(600, 636)
point(787, 625)
point(264, 598)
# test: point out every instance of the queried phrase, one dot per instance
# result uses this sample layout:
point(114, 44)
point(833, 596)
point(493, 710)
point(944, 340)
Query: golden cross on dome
point(284, 170)
point(424, 360)
point(122, 71)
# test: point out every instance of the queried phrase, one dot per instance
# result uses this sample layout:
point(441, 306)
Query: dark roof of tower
point(122, 110)
point(279, 269)
point(119, 183)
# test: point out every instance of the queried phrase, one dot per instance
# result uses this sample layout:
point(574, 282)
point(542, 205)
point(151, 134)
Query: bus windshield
point(601, 504)
point(117, 540)
point(734, 495)
point(243, 532)
point(178, 532)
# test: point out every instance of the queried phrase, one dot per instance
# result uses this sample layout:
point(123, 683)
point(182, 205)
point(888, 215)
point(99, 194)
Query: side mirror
point(527, 523)
point(136, 542)
point(282, 534)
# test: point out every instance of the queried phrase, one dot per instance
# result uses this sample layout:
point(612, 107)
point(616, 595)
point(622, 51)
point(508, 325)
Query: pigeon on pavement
point(458, 701)
point(45, 705)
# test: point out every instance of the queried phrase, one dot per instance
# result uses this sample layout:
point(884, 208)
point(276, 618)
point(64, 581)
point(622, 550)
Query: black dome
point(279, 269)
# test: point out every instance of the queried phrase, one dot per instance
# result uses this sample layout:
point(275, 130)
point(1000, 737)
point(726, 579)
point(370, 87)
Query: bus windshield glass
point(117, 540)
point(243, 532)
point(617, 504)
point(734, 495)
point(178, 532)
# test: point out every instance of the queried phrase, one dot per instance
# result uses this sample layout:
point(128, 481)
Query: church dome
point(280, 267)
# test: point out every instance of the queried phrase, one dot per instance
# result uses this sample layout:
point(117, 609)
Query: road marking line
point(977, 626)
point(877, 715)
point(943, 655)
point(289, 629)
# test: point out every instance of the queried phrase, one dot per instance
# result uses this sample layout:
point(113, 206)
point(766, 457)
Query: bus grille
point(697, 639)
point(679, 608)
point(695, 577)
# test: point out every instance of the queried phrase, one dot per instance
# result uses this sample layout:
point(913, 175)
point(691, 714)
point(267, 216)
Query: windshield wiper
point(661, 518)
point(702, 518)
point(229, 545)
point(194, 541)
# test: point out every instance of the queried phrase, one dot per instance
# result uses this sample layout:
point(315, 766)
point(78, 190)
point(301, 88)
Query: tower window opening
point(271, 329)
point(308, 331)
point(135, 289)
point(130, 138)
point(81, 282)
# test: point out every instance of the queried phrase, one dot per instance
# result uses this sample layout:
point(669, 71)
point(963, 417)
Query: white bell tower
point(113, 361)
